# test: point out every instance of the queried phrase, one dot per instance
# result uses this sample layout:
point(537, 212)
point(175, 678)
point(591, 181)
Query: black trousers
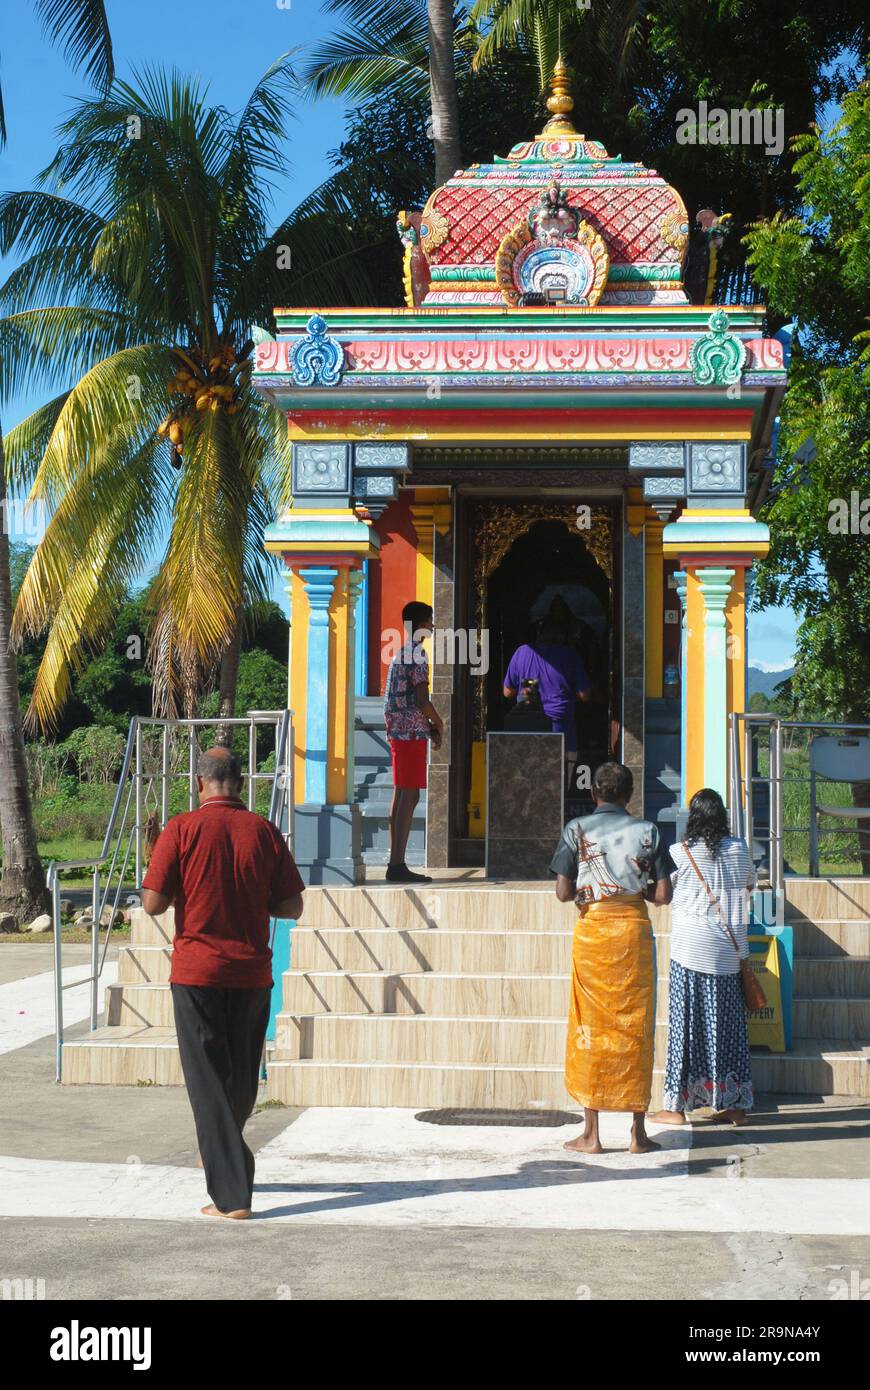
point(220, 1039)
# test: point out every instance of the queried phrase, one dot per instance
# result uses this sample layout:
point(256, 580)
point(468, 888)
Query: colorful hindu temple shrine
point(548, 415)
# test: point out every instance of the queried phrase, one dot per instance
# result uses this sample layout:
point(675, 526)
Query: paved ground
point(99, 1197)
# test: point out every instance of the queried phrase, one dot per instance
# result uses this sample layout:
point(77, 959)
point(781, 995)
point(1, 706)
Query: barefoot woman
point(608, 863)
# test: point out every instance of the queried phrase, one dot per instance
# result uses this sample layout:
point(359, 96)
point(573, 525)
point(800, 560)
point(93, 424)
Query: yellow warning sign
point(767, 1025)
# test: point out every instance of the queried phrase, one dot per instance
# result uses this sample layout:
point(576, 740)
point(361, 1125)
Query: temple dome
point(556, 220)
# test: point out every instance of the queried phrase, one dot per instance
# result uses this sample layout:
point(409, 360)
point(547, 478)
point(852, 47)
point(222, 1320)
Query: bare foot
point(642, 1144)
point(199, 1162)
point(584, 1144)
point(667, 1117)
point(732, 1117)
point(230, 1215)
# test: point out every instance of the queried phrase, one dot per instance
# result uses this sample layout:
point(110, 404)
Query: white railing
point(160, 752)
point(745, 780)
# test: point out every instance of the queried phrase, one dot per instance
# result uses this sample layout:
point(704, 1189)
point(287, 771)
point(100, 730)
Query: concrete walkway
point(99, 1196)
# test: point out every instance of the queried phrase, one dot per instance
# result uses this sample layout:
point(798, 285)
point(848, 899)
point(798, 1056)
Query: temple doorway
point(518, 558)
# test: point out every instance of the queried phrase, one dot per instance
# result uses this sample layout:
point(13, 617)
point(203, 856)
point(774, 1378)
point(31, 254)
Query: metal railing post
point(749, 812)
point(95, 946)
point(164, 773)
point(138, 779)
point(252, 763)
point(191, 768)
point(778, 849)
point(290, 799)
point(58, 973)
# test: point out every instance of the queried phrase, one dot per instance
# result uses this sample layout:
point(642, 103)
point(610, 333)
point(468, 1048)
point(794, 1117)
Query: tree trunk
point(22, 884)
point(442, 81)
point(229, 680)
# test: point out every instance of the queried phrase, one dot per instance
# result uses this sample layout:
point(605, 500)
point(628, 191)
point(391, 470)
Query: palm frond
point(25, 445)
point(48, 346)
point(82, 28)
point(384, 50)
point(83, 566)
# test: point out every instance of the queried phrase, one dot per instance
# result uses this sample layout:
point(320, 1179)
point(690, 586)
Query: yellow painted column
point(694, 678)
point(654, 602)
point(338, 759)
point(299, 608)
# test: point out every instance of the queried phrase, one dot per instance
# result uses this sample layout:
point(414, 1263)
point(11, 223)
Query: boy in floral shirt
point(411, 720)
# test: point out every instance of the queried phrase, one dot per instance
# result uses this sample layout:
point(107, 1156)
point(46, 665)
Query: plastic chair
point(833, 759)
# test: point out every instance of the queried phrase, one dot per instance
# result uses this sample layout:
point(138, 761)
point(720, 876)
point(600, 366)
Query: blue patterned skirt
point(708, 1043)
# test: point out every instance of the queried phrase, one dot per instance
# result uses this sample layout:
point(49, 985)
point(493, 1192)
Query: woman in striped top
point(708, 1042)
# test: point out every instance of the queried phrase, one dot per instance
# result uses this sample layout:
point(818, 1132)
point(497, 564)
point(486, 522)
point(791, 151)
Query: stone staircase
point(373, 786)
point(456, 995)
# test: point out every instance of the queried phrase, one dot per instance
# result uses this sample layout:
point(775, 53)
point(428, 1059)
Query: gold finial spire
point(559, 103)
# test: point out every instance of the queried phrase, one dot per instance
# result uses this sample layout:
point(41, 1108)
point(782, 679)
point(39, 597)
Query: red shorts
point(409, 761)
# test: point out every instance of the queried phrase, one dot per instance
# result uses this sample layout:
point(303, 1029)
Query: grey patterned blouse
point(609, 852)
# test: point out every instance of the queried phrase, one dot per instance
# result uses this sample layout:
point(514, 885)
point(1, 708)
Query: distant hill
point(766, 681)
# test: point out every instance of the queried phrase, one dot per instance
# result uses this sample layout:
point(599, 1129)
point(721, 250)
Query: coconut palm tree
point(397, 45)
point(147, 264)
point(82, 27)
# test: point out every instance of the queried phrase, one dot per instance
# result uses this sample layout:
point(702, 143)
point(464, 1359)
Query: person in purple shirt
point(562, 681)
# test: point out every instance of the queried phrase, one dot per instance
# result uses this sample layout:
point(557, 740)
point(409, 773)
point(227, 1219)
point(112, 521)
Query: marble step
point(144, 965)
point(815, 1066)
point(146, 1006)
point(826, 900)
point(456, 995)
point(825, 940)
point(426, 1084)
point(425, 1038)
point(128, 1056)
point(840, 977)
point(832, 1018)
point(462, 952)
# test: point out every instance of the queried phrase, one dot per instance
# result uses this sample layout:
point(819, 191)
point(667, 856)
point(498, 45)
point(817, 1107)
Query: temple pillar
point(323, 543)
point(715, 586)
point(715, 545)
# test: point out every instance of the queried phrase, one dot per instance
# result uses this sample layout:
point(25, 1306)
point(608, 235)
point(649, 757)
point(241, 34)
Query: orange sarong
point(611, 1020)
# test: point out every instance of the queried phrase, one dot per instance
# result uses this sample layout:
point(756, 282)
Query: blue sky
point(228, 43)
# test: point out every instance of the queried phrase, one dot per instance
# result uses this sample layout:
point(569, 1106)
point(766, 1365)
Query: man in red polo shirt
point(227, 871)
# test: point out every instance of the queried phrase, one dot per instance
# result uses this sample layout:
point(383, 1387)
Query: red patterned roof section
point(628, 214)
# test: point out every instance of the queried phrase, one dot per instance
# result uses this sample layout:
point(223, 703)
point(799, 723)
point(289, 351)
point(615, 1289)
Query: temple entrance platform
point(455, 994)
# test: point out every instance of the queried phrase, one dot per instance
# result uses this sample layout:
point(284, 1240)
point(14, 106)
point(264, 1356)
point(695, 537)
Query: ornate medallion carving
point(433, 227)
point(553, 249)
point(317, 360)
point(718, 358)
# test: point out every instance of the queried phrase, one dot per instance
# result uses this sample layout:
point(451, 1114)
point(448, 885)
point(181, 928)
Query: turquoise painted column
point(681, 581)
point(360, 617)
point(356, 589)
point(715, 587)
point(288, 589)
point(319, 584)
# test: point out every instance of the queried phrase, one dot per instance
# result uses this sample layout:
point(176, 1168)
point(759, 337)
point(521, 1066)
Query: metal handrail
point(129, 790)
point(744, 725)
